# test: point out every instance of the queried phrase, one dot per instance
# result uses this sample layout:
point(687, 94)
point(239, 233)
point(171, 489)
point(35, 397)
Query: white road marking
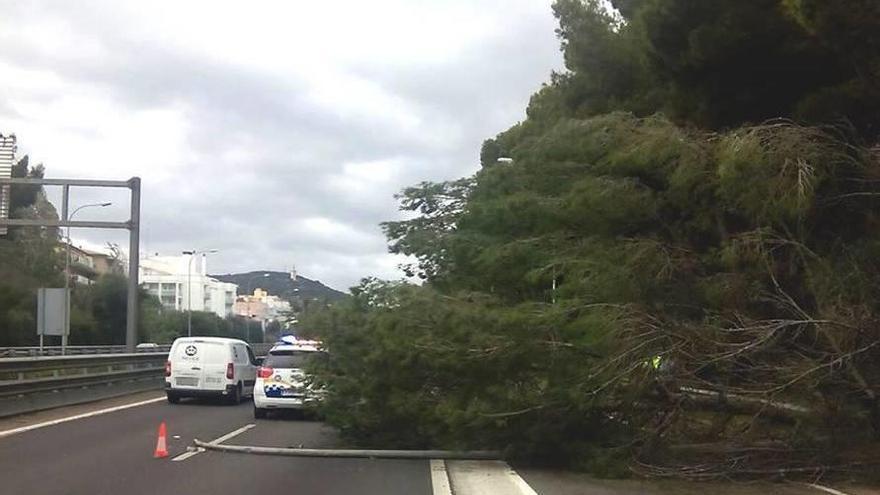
point(190, 453)
point(23, 429)
point(186, 455)
point(439, 478)
point(826, 489)
point(524, 487)
point(486, 478)
point(234, 433)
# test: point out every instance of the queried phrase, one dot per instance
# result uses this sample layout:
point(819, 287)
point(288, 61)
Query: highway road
point(113, 454)
point(72, 451)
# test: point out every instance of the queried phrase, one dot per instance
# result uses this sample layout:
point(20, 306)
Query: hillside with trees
point(669, 268)
point(297, 291)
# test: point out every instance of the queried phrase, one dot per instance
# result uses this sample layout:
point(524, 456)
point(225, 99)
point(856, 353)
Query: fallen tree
point(566, 324)
point(640, 278)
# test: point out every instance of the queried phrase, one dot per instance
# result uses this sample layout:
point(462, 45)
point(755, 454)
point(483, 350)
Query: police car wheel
point(259, 413)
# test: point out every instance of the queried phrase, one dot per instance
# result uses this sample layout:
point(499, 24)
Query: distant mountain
point(280, 284)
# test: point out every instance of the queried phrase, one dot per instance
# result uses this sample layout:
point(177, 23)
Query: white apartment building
point(176, 279)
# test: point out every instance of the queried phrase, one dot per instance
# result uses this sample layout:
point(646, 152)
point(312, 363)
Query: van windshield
point(289, 359)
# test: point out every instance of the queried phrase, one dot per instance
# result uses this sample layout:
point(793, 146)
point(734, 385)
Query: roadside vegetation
point(669, 268)
point(31, 258)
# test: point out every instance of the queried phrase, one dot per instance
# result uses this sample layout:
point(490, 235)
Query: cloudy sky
point(276, 132)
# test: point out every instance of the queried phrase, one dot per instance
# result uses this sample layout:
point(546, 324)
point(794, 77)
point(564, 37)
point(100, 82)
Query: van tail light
point(230, 371)
point(264, 372)
point(167, 368)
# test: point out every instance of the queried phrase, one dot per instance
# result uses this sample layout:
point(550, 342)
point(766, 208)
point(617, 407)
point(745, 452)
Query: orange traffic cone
point(161, 447)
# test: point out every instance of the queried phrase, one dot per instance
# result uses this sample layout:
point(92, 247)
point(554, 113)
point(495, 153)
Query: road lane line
point(54, 422)
point(826, 489)
point(439, 478)
point(186, 455)
point(231, 434)
point(486, 478)
point(524, 487)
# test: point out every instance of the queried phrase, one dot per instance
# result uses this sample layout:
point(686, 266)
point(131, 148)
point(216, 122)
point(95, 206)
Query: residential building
point(261, 306)
point(86, 266)
point(176, 280)
point(82, 266)
point(104, 263)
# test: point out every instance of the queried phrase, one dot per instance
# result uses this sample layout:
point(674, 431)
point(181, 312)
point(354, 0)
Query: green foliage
point(29, 259)
point(410, 367)
point(25, 196)
point(553, 283)
point(439, 206)
point(162, 326)
point(490, 153)
point(629, 285)
point(719, 63)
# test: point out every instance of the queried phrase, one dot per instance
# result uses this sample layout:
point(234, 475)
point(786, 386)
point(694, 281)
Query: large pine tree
point(679, 261)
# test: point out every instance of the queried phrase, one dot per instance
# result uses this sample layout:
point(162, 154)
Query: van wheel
point(172, 399)
point(259, 413)
point(235, 397)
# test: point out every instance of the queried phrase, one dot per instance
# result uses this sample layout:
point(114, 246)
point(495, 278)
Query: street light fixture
point(192, 254)
point(67, 277)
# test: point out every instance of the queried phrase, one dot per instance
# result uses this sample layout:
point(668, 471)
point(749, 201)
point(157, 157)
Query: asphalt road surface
point(113, 454)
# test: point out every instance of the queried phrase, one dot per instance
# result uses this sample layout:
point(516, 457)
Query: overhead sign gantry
point(132, 225)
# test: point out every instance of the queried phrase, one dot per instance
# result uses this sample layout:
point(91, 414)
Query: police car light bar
point(287, 339)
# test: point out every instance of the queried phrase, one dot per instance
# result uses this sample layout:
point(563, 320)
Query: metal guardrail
point(34, 383)
point(30, 384)
point(74, 350)
point(29, 375)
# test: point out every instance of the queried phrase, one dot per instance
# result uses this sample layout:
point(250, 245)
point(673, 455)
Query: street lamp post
point(192, 254)
point(67, 279)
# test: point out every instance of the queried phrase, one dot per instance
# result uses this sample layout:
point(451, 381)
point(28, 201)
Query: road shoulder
point(553, 482)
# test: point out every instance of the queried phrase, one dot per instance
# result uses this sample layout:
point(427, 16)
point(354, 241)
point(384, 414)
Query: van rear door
point(217, 358)
point(244, 369)
point(200, 365)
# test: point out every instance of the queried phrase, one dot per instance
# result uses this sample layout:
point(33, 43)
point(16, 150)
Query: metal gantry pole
point(132, 225)
point(134, 241)
point(66, 333)
point(65, 198)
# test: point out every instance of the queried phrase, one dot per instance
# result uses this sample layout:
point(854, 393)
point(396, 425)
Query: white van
point(210, 366)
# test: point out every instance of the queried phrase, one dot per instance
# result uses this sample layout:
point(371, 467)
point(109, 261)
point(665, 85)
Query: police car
point(281, 380)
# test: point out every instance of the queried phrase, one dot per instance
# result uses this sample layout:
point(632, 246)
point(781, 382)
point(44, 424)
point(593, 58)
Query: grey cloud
point(251, 207)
